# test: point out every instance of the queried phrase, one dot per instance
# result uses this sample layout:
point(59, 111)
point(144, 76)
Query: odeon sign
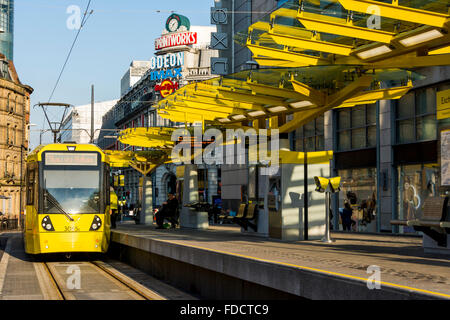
point(166, 66)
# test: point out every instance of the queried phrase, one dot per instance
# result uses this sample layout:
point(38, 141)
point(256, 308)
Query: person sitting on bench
point(168, 211)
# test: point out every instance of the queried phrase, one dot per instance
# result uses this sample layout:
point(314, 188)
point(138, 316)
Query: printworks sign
point(176, 40)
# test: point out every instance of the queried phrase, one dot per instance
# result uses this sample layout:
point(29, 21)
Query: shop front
point(419, 152)
point(359, 190)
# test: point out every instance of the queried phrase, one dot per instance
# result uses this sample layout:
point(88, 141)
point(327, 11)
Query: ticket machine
point(289, 193)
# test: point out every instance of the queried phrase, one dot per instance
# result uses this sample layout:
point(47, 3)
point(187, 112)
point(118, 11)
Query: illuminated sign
point(175, 40)
point(166, 88)
point(71, 159)
point(166, 66)
point(443, 104)
point(166, 74)
point(170, 60)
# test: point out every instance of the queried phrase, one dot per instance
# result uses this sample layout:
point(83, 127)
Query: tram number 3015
point(71, 229)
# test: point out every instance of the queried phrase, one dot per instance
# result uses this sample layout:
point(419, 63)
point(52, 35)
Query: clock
point(175, 22)
point(173, 25)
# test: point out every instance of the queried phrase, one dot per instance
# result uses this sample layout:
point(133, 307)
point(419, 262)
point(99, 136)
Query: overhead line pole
point(92, 114)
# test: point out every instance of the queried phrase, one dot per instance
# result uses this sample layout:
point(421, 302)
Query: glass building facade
point(7, 28)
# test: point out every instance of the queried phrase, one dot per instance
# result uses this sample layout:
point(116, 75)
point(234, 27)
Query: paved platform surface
point(401, 259)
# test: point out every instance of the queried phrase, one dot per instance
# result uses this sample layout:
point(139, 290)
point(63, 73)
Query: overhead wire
point(82, 24)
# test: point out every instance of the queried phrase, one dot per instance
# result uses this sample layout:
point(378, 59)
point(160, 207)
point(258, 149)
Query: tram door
point(274, 206)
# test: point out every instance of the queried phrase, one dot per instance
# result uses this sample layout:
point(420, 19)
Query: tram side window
point(30, 186)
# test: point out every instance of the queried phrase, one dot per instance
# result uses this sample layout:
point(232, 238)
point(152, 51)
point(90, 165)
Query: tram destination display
point(71, 159)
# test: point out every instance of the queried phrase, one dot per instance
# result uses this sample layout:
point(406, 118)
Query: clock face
point(173, 25)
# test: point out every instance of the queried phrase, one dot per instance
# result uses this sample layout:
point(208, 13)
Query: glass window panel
point(426, 101)
point(405, 131)
point(358, 117)
point(344, 119)
point(416, 183)
point(299, 133)
point(426, 128)
point(299, 145)
point(320, 125)
point(359, 189)
point(372, 136)
point(359, 138)
point(310, 129)
point(344, 140)
point(320, 143)
point(405, 106)
point(372, 114)
point(309, 144)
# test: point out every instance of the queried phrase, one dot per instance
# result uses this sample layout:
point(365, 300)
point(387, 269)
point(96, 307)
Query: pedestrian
point(169, 211)
point(114, 208)
point(346, 216)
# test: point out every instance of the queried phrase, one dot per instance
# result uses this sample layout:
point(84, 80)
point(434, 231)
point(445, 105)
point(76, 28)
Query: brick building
point(14, 127)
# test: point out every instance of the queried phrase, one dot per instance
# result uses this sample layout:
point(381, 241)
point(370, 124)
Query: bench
point(434, 223)
point(240, 214)
point(244, 216)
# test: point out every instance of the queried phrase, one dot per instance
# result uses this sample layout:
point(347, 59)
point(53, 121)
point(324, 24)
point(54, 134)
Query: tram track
point(98, 274)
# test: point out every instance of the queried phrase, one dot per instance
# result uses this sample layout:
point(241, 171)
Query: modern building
point(14, 133)
point(232, 18)
point(388, 154)
point(182, 56)
point(134, 74)
point(76, 127)
point(7, 28)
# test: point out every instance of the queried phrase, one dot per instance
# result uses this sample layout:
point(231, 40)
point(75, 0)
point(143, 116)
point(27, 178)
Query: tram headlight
point(96, 224)
point(47, 224)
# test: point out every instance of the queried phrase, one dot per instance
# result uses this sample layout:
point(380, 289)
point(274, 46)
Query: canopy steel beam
point(302, 59)
point(316, 97)
point(311, 44)
point(223, 93)
point(322, 23)
point(333, 101)
point(394, 11)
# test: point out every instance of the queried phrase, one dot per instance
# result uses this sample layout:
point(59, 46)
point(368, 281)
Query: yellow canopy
point(153, 137)
point(122, 159)
point(253, 95)
point(371, 33)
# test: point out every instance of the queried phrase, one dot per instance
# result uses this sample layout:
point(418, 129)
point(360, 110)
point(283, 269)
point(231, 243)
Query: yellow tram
point(67, 200)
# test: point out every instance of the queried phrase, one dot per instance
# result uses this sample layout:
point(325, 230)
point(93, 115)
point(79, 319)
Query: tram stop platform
point(223, 263)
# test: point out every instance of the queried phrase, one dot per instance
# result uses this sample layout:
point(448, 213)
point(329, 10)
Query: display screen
point(71, 159)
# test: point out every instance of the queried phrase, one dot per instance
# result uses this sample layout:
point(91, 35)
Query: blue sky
point(118, 32)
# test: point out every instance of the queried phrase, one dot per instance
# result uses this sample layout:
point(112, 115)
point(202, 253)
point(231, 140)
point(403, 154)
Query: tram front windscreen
point(71, 191)
point(71, 183)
